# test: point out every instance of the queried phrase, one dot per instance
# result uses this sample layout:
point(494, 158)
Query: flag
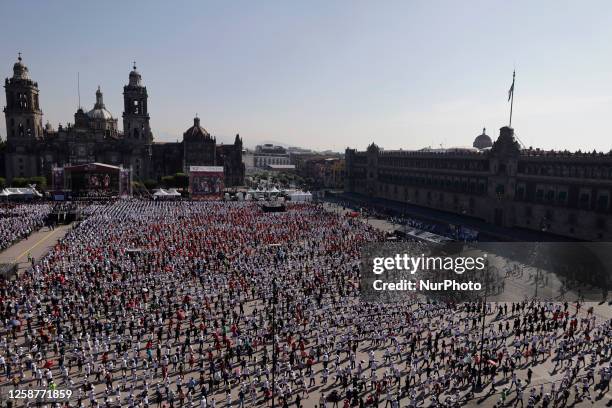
point(511, 90)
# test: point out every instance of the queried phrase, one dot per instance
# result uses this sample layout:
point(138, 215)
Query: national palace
point(499, 182)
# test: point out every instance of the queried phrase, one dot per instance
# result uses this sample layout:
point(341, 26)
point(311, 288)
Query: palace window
point(602, 202)
point(520, 191)
point(562, 197)
point(585, 200)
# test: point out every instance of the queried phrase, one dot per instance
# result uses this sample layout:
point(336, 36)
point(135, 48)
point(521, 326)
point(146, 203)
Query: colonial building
point(270, 154)
point(555, 191)
point(33, 150)
point(324, 171)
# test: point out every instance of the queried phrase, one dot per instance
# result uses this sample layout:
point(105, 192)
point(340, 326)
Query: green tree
point(41, 182)
point(19, 182)
point(150, 184)
point(136, 185)
point(167, 181)
point(181, 180)
point(2, 182)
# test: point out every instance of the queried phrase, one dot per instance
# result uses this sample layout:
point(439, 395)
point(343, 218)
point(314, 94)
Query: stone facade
point(563, 193)
point(33, 150)
point(268, 153)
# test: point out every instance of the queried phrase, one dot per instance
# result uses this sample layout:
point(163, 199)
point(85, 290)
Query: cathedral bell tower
point(135, 113)
point(136, 128)
point(24, 128)
point(22, 111)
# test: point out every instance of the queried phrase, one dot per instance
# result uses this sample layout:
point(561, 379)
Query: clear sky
point(329, 74)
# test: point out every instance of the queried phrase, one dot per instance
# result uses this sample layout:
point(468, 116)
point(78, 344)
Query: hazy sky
point(329, 74)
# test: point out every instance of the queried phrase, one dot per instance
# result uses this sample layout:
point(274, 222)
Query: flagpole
point(512, 98)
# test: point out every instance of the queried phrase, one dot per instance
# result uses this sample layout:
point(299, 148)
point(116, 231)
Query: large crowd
point(399, 219)
point(189, 304)
point(17, 221)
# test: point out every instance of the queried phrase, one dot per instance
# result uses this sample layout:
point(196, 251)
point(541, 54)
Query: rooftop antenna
point(79, 87)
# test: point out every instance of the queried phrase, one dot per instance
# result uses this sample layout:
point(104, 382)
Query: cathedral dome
point(196, 132)
point(482, 141)
point(99, 114)
point(99, 111)
point(20, 71)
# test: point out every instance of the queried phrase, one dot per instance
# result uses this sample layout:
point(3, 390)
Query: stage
point(91, 181)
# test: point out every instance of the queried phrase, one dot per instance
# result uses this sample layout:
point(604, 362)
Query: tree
point(19, 182)
point(167, 181)
point(150, 184)
point(178, 180)
point(2, 182)
point(181, 180)
point(40, 181)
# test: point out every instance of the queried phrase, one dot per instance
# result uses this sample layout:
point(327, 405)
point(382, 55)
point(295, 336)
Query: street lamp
point(536, 254)
point(274, 302)
point(483, 317)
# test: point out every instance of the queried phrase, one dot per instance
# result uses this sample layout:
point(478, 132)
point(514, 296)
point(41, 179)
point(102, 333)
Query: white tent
point(22, 192)
point(160, 193)
point(300, 196)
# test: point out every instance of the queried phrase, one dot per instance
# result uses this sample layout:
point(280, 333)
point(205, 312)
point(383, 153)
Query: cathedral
point(34, 150)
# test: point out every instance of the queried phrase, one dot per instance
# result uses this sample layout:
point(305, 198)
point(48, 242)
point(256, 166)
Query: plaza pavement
point(36, 245)
point(542, 373)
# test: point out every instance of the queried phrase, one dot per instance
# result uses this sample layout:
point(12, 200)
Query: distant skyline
point(328, 74)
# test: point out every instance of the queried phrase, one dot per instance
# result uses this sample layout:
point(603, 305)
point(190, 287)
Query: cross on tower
point(19, 57)
point(134, 62)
